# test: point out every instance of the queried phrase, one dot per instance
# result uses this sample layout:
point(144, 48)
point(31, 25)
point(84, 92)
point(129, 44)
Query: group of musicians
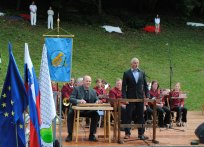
point(133, 85)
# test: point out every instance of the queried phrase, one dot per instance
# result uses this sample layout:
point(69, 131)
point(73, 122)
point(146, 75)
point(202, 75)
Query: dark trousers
point(163, 120)
point(181, 113)
point(91, 114)
point(164, 115)
point(148, 113)
point(167, 118)
point(123, 114)
point(138, 110)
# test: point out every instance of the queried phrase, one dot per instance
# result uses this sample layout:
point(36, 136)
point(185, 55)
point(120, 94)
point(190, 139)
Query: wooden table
point(105, 107)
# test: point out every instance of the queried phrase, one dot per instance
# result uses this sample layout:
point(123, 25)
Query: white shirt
point(157, 20)
point(135, 73)
point(33, 8)
point(50, 12)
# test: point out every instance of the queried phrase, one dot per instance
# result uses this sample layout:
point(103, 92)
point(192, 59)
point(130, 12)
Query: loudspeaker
point(199, 132)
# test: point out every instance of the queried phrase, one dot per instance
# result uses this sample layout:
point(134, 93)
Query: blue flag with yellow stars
point(12, 105)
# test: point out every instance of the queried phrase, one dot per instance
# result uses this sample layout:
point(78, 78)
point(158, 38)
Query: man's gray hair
point(134, 59)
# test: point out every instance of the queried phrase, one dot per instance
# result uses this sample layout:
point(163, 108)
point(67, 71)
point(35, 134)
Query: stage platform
point(177, 136)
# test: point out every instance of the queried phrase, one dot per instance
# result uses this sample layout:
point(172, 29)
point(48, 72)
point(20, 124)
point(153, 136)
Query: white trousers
point(33, 18)
point(50, 22)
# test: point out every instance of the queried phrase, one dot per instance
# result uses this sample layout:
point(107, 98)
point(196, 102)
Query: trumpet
point(66, 102)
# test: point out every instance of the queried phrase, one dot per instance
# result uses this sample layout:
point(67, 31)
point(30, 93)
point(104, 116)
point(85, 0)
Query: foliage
point(187, 6)
point(181, 7)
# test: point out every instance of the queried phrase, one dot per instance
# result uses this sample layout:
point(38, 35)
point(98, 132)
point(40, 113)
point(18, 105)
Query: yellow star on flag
point(9, 88)
point(12, 113)
point(12, 102)
point(6, 114)
point(3, 104)
point(4, 95)
point(21, 126)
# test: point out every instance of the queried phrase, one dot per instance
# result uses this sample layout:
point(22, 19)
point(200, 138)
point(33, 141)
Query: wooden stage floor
point(178, 136)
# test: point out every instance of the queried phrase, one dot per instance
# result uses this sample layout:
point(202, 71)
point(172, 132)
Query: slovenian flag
point(33, 92)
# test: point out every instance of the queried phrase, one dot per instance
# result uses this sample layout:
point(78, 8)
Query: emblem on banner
point(58, 59)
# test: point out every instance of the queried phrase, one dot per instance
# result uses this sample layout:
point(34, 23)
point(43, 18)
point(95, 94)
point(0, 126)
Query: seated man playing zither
point(83, 94)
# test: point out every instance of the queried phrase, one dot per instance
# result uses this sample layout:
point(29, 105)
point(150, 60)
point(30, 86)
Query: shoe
point(166, 125)
point(178, 124)
point(149, 121)
point(142, 137)
point(87, 125)
point(68, 138)
point(161, 126)
point(92, 138)
point(122, 129)
point(127, 136)
point(183, 124)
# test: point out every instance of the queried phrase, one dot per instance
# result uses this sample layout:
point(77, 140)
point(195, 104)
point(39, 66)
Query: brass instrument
point(66, 102)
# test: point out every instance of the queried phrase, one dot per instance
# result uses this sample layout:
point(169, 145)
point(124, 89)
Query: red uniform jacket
point(67, 90)
point(176, 102)
point(115, 93)
point(100, 91)
point(157, 95)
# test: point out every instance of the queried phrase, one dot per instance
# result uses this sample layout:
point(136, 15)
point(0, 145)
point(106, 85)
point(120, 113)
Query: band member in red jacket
point(177, 104)
point(115, 93)
point(163, 121)
point(67, 91)
point(102, 95)
point(100, 90)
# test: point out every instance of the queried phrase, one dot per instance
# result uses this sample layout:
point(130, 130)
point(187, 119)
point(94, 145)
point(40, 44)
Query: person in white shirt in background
point(157, 24)
point(33, 15)
point(50, 13)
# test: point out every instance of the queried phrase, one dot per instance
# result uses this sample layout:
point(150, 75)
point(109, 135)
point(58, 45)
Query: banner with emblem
point(59, 54)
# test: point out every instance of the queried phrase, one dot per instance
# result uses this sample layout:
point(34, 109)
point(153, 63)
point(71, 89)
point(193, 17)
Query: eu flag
point(12, 105)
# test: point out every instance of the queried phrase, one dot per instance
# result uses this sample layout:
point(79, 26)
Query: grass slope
point(108, 55)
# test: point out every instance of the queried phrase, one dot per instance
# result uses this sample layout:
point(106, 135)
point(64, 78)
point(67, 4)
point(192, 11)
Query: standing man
point(50, 13)
point(157, 24)
point(83, 94)
point(134, 85)
point(33, 15)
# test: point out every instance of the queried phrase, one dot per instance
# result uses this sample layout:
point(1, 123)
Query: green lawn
point(108, 55)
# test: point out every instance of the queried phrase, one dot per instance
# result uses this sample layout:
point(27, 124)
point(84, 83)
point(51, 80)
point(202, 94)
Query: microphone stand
point(170, 84)
point(170, 68)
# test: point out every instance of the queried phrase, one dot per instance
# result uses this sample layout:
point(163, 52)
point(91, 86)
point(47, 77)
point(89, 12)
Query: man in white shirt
point(50, 13)
point(33, 15)
point(157, 24)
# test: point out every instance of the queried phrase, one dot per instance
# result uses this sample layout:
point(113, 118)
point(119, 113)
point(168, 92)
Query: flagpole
point(58, 32)
point(60, 130)
point(58, 21)
point(58, 29)
point(16, 135)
